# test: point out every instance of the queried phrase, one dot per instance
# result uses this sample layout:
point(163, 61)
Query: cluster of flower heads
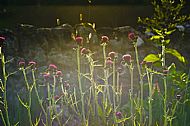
point(32, 64)
point(53, 70)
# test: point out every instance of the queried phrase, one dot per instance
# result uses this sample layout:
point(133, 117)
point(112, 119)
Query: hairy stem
point(29, 96)
point(80, 85)
point(141, 84)
point(5, 88)
point(38, 97)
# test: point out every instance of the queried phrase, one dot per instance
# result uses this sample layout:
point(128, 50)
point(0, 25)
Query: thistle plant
point(149, 75)
point(4, 82)
point(128, 62)
point(29, 88)
point(133, 38)
point(38, 97)
point(88, 54)
point(106, 94)
point(79, 41)
point(113, 56)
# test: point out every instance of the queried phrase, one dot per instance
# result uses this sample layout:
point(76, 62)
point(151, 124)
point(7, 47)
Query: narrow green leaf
point(16, 124)
point(176, 54)
point(156, 37)
point(159, 32)
point(169, 32)
point(122, 120)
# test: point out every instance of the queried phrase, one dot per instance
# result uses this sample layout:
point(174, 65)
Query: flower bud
point(127, 58)
point(84, 51)
point(104, 39)
point(33, 64)
point(118, 114)
point(52, 67)
point(112, 55)
point(79, 40)
point(21, 64)
point(59, 73)
point(132, 36)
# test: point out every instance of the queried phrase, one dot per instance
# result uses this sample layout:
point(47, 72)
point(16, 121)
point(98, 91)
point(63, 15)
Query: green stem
point(29, 97)
point(165, 86)
point(38, 97)
point(49, 99)
point(80, 85)
point(53, 100)
point(114, 86)
point(91, 65)
point(104, 65)
point(114, 89)
point(2, 117)
point(5, 88)
point(117, 90)
point(141, 84)
point(165, 102)
point(131, 94)
point(173, 112)
point(150, 97)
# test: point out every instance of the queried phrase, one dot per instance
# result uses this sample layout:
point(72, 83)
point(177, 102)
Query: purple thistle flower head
point(46, 76)
point(52, 67)
point(79, 40)
point(132, 36)
point(59, 73)
point(127, 58)
point(84, 51)
point(21, 64)
point(118, 114)
point(104, 39)
point(109, 62)
point(33, 64)
point(112, 55)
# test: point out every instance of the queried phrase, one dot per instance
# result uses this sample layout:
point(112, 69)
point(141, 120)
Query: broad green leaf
point(152, 58)
point(176, 54)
